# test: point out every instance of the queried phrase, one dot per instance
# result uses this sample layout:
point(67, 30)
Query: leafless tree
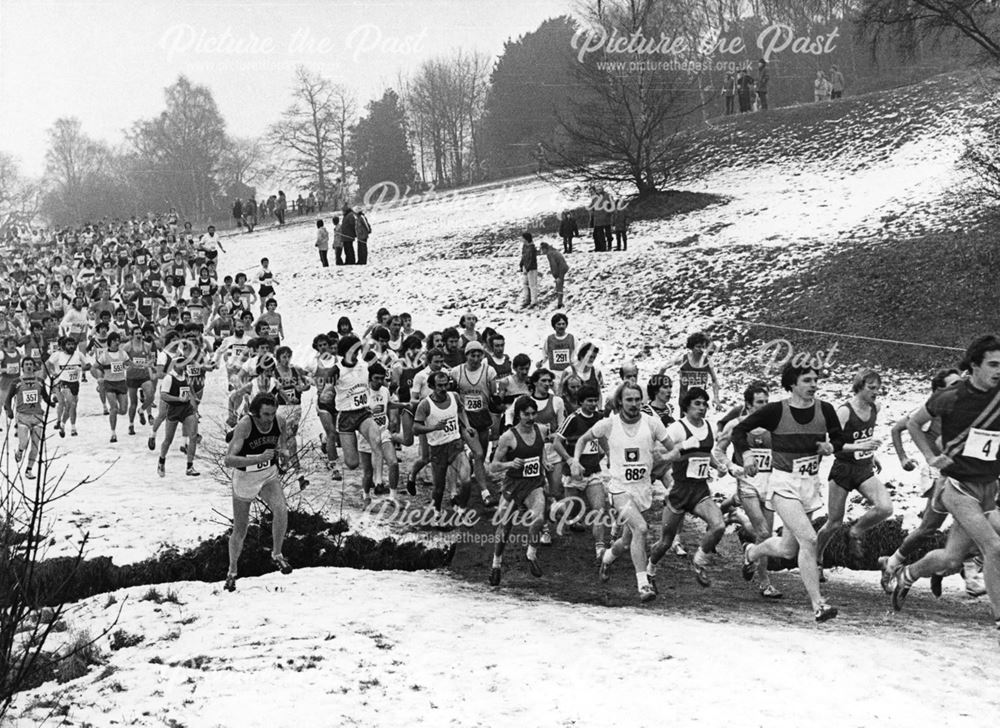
point(906, 24)
point(19, 196)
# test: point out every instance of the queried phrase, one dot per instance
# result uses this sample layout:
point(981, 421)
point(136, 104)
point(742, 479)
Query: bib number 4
point(982, 444)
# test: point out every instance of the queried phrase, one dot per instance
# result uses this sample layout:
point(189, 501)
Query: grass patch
point(121, 639)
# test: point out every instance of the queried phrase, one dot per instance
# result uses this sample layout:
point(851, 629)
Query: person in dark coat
point(238, 212)
point(568, 229)
point(348, 232)
point(363, 229)
point(744, 90)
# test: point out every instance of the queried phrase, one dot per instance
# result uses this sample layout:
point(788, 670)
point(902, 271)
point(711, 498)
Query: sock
point(497, 560)
point(163, 461)
point(641, 579)
point(699, 557)
point(650, 567)
point(599, 549)
point(532, 553)
point(895, 561)
point(609, 556)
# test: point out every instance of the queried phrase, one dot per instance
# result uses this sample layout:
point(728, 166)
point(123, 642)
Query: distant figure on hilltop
point(568, 229)
point(744, 89)
point(836, 83)
point(762, 78)
point(729, 92)
point(529, 271)
point(821, 87)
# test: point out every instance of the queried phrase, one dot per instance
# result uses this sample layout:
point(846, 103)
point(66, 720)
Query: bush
point(121, 639)
point(81, 654)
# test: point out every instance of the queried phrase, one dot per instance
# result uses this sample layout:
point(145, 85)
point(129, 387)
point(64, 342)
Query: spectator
point(821, 87)
point(348, 231)
point(250, 214)
point(568, 229)
point(311, 204)
point(529, 271)
point(559, 267)
point(300, 204)
point(762, 78)
point(836, 83)
point(322, 243)
point(336, 194)
point(600, 221)
point(238, 212)
point(280, 206)
point(363, 229)
point(338, 242)
point(744, 90)
point(729, 92)
point(619, 222)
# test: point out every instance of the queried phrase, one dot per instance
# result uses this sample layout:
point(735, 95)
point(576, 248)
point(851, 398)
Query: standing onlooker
point(729, 92)
point(337, 194)
point(559, 268)
point(280, 206)
point(744, 89)
point(619, 222)
point(568, 229)
point(529, 271)
point(362, 229)
point(322, 243)
point(836, 83)
point(250, 214)
point(762, 78)
point(238, 212)
point(348, 231)
point(821, 87)
point(600, 221)
point(338, 242)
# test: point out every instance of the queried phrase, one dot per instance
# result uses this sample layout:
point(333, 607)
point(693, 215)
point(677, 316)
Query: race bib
point(192, 371)
point(982, 444)
point(808, 465)
point(184, 393)
point(73, 375)
point(699, 468)
point(147, 303)
point(866, 454)
point(591, 448)
point(474, 402)
point(450, 426)
point(35, 353)
point(262, 466)
point(560, 357)
point(117, 367)
point(139, 362)
point(53, 347)
point(360, 400)
point(636, 473)
point(30, 396)
point(140, 260)
point(761, 458)
point(532, 467)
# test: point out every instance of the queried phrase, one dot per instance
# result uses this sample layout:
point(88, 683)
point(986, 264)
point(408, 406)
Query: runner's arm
point(915, 426)
point(504, 445)
point(420, 418)
point(722, 444)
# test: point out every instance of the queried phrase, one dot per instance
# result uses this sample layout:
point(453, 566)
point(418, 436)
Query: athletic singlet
point(284, 386)
point(532, 454)
point(436, 415)
point(142, 358)
point(114, 364)
point(10, 366)
point(351, 388)
point(759, 447)
point(560, 351)
point(547, 414)
point(68, 366)
point(692, 376)
point(794, 444)
point(28, 395)
point(258, 441)
point(378, 402)
point(406, 375)
point(695, 463)
point(631, 456)
point(475, 395)
point(855, 430)
point(970, 430)
point(502, 368)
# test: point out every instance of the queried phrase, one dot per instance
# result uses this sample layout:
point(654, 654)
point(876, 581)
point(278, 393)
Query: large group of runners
point(139, 306)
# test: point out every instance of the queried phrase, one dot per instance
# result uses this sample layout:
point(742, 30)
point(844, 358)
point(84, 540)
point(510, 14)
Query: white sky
point(107, 61)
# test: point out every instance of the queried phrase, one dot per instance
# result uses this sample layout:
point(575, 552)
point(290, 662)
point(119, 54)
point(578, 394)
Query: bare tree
point(307, 137)
point(76, 173)
point(907, 23)
point(19, 197)
point(345, 114)
point(622, 127)
point(244, 160)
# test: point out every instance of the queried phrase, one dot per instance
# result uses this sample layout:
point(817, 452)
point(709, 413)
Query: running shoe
point(975, 587)
point(61, 430)
point(652, 582)
point(902, 588)
point(825, 612)
point(749, 568)
point(646, 593)
point(106, 412)
point(73, 432)
point(142, 417)
point(303, 482)
point(936, 580)
point(335, 474)
point(701, 575)
point(114, 437)
point(151, 442)
point(495, 574)
point(230, 585)
point(184, 449)
point(29, 474)
point(282, 563)
point(546, 539)
point(161, 470)
point(411, 487)
point(678, 548)
point(888, 575)
point(534, 568)
point(18, 454)
point(770, 592)
point(191, 471)
point(381, 489)
point(605, 570)
point(131, 429)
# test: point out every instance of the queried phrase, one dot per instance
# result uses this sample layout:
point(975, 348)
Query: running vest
point(68, 366)
point(631, 456)
point(475, 395)
point(532, 455)
point(502, 368)
point(352, 388)
point(437, 415)
point(284, 387)
point(692, 376)
point(695, 464)
point(560, 351)
point(141, 361)
point(10, 366)
point(546, 412)
point(406, 376)
point(114, 364)
point(28, 398)
point(258, 441)
point(758, 447)
point(857, 429)
point(378, 402)
point(794, 445)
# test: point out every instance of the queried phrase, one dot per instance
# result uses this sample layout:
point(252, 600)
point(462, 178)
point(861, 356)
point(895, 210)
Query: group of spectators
point(751, 93)
point(352, 229)
point(248, 213)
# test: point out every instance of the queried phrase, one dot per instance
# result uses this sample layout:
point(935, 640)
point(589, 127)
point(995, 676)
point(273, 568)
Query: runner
point(177, 393)
point(520, 458)
point(752, 491)
point(854, 468)
point(378, 403)
point(112, 365)
point(695, 368)
point(631, 436)
point(970, 435)
point(139, 376)
point(692, 458)
point(558, 348)
point(66, 366)
point(254, 450)
point(475, 384)
point(288, 385)
point(803, 429)
point(23, 404)
point(350, 377)
point(934, 513)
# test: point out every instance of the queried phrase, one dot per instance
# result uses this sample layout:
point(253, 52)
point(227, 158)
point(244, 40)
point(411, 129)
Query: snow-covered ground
point(337, 647)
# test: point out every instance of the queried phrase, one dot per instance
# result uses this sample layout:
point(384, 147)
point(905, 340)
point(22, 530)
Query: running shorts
point(985, 494)
point(136, 383)
point(73, 387)
point(363, 445)
point(479, 420)
point(179, 411)
point(641, 494)
point(119, 387)
point(517, 490)
point(755, 488)
point(804, 488)
point(351, 420)
point(247, 484)
point(685, 496)
point(446, 454)
point(850, 475)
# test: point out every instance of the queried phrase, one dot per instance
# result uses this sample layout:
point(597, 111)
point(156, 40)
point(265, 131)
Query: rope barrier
point(849, 336)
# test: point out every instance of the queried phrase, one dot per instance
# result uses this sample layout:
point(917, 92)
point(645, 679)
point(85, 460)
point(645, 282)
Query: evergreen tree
point(379, 143)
